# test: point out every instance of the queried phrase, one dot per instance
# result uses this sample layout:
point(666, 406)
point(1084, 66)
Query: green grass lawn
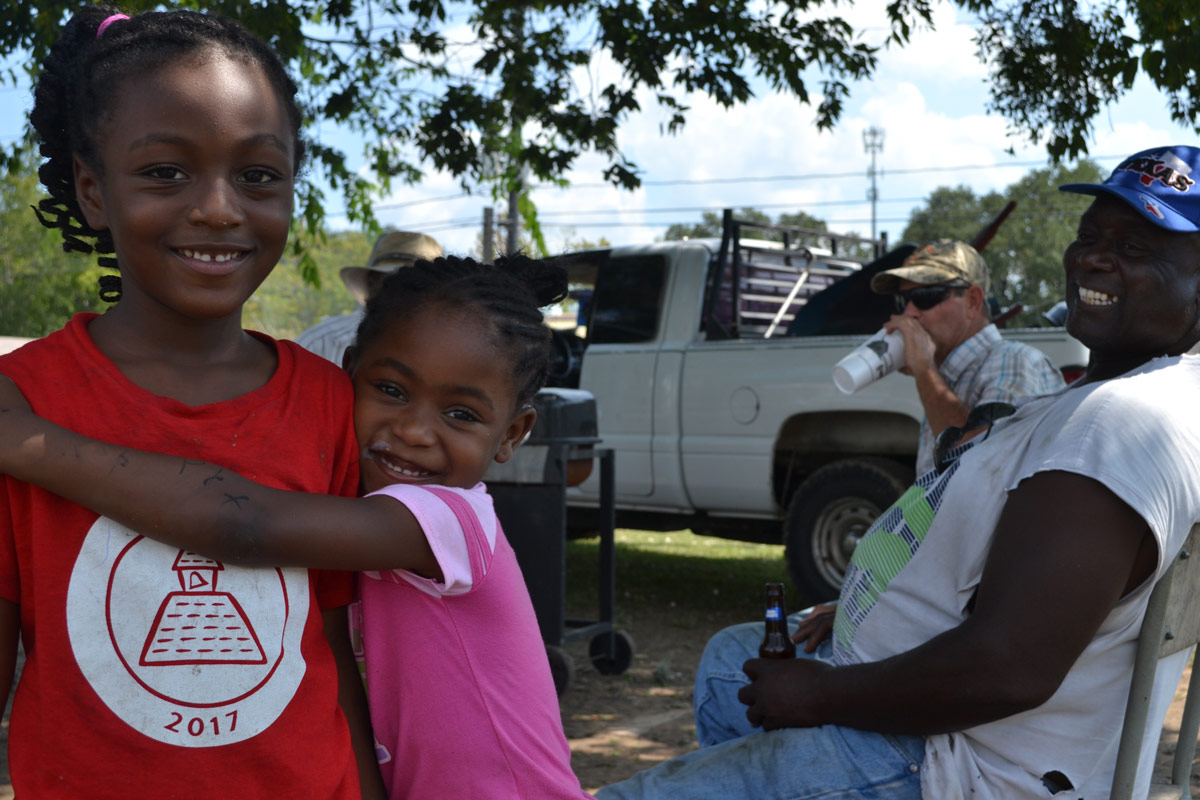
point(694, 578)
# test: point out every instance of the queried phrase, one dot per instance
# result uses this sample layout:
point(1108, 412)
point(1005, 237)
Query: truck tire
point(830, 512)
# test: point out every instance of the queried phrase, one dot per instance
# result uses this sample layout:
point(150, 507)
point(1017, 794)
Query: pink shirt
point(461, 696)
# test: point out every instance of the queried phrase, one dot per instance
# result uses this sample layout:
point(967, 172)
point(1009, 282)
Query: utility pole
point(489, 235)
point(873, 144)
point(518, 123)
point(514, 219)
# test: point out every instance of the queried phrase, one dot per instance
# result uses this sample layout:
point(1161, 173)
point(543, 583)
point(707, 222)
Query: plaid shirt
point(330, 337)
point(986, 369)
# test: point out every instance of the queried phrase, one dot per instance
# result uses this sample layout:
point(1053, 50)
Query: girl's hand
point(816, 627)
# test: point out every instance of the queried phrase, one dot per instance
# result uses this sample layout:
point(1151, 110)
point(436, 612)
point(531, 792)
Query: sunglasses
point(946, 449)
point(925, 297)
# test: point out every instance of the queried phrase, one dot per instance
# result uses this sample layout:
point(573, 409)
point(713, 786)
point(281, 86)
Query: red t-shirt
point(153, 672)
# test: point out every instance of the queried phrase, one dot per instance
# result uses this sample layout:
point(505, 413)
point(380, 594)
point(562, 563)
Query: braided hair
point(510, 293)
point(75, 93)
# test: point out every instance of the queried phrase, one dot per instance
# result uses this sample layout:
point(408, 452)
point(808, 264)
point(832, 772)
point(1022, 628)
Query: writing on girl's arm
point(203, 507)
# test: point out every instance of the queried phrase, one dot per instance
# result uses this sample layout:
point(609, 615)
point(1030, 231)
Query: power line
point(751, 179)
point(689, 209)
point(739, 179)
point(815, 175)
point(442, 199)
point(669, 209)
point(453, 224)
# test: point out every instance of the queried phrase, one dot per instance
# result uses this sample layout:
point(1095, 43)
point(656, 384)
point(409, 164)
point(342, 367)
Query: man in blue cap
point(984, 638)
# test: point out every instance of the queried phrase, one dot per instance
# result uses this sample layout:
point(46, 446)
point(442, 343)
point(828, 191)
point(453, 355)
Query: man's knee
point(737, 642)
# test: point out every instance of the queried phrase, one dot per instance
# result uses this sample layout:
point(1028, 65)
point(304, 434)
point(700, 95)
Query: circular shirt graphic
point(183, 648)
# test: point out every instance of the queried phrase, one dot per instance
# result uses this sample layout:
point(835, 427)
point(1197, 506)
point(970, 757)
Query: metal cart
point(530, 494)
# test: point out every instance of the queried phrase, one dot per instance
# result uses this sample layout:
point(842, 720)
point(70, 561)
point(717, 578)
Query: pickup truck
point(711, 362)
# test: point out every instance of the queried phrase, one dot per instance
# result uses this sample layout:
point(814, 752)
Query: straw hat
point(392, 251)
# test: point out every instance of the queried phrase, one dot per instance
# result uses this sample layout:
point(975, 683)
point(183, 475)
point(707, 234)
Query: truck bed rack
point(756, 284)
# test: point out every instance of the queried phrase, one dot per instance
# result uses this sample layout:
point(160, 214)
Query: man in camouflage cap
point(951, 348)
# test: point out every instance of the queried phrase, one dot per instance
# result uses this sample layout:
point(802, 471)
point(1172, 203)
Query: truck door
point(620, 362)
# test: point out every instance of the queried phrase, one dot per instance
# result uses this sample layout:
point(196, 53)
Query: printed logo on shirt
point(182, 648)
point(884, 550)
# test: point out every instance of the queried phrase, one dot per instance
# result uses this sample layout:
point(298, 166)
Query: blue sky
point(929, 98)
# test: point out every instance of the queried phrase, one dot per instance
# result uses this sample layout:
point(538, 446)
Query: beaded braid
point(79, 80)
point(511, 293)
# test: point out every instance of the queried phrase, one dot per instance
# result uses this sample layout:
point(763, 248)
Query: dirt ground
point(618, 725)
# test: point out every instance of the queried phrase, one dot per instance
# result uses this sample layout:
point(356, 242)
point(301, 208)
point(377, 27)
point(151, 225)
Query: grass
point(693, 578)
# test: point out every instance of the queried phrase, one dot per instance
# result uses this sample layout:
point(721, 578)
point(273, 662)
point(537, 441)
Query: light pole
point(873, 144)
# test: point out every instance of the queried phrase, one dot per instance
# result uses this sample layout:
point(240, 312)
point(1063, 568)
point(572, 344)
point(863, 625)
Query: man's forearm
point(943, 408)
point(955, 681)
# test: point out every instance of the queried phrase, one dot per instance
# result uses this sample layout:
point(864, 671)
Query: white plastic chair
point(1171, 625)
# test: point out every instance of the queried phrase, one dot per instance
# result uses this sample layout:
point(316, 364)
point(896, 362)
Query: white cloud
point(943, 55)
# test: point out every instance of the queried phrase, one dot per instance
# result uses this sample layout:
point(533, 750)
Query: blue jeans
point(736, 761)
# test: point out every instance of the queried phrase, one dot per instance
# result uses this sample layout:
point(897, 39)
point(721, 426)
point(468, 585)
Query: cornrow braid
point(511, 293)
point(75, 94)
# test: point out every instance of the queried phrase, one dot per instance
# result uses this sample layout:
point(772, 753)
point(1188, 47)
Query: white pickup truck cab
point(723, 419)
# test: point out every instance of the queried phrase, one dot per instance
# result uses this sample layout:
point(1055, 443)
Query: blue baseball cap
point(1160, 183)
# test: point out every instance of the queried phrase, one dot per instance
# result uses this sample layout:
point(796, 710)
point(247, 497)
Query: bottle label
point(774, 613)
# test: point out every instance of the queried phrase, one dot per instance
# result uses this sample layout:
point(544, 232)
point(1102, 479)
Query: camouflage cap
point(944, 261)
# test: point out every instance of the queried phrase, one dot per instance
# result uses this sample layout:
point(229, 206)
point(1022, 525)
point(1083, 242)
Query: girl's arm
point(353, 701)
point(10, 632)
point(203, 507)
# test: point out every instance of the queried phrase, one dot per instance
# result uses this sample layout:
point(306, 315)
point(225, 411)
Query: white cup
point(878, 356)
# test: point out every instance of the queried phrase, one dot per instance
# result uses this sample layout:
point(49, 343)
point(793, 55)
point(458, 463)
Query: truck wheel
point(830, 512)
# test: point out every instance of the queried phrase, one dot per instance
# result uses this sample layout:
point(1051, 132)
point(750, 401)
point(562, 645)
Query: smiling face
point(1133, 289)
point(434, 401)
point(195, 184)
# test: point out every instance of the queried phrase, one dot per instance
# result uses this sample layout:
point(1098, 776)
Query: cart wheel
point(562, 668)
point(621, 650)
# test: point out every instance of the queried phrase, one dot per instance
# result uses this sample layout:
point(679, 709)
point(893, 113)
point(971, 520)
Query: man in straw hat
point(330, 337)
point(951, 348)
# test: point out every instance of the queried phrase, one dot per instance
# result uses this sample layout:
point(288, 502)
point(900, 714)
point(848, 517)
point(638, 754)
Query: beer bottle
point(776, 642)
